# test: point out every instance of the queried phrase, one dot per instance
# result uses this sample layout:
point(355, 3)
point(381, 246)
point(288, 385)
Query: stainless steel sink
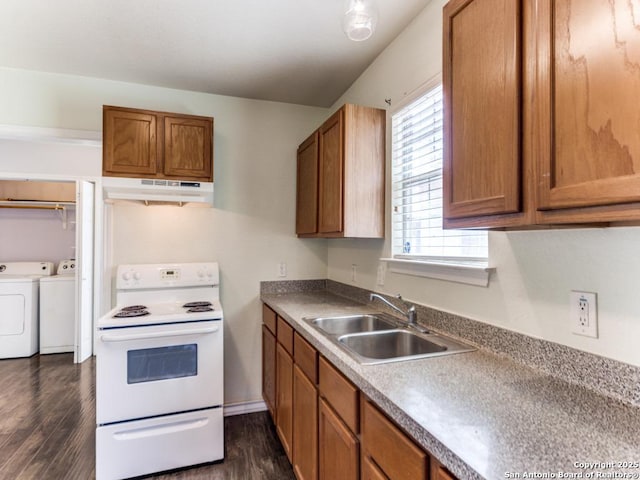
point(378, 338)
point(353, 324)
point(397, 345)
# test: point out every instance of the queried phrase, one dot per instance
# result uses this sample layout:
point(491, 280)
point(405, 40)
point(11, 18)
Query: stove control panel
point(166, 275)
point(170, 274)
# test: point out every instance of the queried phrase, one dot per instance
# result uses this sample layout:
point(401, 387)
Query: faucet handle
point(409, 305)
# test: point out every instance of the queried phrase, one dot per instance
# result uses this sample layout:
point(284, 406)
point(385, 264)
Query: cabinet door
point(187, 147)
point(307, 187)
point(438, 472)
point(284, 393)
point(370, 471)
point(482, 84)
point(305, 426)
point(330, 209)
point(589, 147)
point(130, 143)
point(338, 447)
point(269, 370)
point(394, 453)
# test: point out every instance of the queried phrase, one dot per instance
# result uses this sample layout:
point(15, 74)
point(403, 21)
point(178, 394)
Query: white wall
point(22, 232)
point(535, 270)
point(250, 229)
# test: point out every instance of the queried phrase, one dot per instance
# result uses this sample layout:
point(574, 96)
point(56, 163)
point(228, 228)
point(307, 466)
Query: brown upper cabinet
point(149, 144)
point(539, 128)
point(340, 188)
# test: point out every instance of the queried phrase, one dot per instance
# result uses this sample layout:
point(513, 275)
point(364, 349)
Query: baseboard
point(241, 408)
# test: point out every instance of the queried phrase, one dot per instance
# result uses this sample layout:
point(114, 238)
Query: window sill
point(453, 272)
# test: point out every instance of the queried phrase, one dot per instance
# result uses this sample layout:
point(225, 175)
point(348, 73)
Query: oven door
point(155, 370)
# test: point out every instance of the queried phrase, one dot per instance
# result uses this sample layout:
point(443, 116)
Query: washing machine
point(58, 309)
point(19, 282)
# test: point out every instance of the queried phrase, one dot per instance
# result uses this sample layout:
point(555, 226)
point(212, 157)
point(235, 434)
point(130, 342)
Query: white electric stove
point(159, 377)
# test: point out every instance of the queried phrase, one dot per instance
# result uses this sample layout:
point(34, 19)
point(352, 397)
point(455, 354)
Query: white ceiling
point(282, 50)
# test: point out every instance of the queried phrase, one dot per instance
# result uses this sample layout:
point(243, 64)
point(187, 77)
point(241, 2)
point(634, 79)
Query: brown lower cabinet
point(385, 446)
point(305, 426)
point(339, 447)
point(284, 398)
point(269, 370)
point(438, 472)
point(370, 471)
point(328, 428)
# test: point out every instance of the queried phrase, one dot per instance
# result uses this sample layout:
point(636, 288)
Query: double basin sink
point(380, 338)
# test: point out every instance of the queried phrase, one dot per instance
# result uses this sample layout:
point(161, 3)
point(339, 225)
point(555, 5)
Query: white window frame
point(473, 271)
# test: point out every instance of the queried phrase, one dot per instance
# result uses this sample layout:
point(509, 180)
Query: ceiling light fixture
point(360, 19)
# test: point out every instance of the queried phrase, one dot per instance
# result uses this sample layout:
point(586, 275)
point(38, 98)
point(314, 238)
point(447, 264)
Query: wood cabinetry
point(307, 187)
point(284, 398)
point(589, 162)
point(269, 359)
point(338, 424)
point(482, 77)
point(538, 126)
point(150, 144)
point(370, 471)
point(438, 472)
point(339, 447)
point(340, 189)
point(284, 385)
point(305, 410)
point(386, 447)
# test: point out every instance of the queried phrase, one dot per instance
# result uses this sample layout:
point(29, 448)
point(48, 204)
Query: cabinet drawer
point(438, 472)
point(285, 335)
point(269, 318)
point(341, 394)
point(306, 357)
point(391, 449)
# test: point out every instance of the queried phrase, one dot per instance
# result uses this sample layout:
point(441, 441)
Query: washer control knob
point(126, 276)
point(136, 276)
point(200, 274)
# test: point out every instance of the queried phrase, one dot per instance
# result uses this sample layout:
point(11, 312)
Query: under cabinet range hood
point(157, 191)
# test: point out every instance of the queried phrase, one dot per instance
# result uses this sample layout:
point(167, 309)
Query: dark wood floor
point(47, 428)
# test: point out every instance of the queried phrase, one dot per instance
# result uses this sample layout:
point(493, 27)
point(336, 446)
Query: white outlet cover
point(282, 269)
point(584, 313)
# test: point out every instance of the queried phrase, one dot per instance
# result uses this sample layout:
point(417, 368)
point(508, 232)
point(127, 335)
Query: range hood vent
point(149, 190)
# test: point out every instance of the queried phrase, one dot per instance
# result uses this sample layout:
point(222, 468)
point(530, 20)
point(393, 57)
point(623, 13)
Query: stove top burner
point(133, 308)
point(200, 308)
point(198, 304)
point(131, 313)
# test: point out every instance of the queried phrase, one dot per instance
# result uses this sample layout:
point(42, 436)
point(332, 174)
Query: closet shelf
point(61, 207)
point(36, 204)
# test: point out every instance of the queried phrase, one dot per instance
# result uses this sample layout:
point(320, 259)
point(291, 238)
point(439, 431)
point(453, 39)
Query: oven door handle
point(143, 336)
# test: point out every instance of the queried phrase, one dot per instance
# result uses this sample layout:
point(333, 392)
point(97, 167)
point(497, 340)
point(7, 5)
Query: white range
point(159, 376)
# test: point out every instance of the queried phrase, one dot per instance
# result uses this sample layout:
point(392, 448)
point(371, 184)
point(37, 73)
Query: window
point(417, 233)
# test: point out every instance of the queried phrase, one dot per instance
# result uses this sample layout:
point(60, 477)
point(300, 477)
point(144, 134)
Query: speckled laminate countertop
point(481, 415)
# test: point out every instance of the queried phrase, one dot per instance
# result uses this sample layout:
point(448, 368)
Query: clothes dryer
point(19, 282)
point(58, 309)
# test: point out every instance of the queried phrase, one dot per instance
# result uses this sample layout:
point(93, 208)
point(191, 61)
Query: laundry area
point(44, 223)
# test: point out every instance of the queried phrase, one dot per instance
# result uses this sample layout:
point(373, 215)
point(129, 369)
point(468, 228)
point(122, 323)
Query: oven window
point(151, 364)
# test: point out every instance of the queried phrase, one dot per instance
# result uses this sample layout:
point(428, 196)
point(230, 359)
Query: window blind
point(417, 143)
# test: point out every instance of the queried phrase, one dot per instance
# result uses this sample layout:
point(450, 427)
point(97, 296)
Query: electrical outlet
point(282, 269)
point(354, 269)
point(584, 314)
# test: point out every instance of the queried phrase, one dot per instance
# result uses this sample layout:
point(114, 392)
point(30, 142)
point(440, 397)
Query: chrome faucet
point(411, 314)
